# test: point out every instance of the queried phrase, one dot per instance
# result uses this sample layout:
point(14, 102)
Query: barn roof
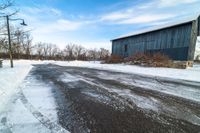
point(159, 27)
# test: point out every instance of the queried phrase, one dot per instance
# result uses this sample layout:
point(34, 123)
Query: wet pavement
point(97, 101)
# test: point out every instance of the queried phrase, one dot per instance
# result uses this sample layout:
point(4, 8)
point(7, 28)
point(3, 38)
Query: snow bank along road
point(56, 98)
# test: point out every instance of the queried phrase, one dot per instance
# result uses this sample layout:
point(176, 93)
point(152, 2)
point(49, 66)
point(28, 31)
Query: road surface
point(83, 100)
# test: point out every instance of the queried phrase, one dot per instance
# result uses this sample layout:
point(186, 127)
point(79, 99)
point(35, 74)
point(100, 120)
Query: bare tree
point(50, 48)
point(45, 50)
point(78, 51)
point(103, 53)
point(92, 54)
point(5, 4)
point(27, 45)
point(55, 52)
point(3, 47)
point(69, 51)
point(39, 50)
point(17, 37)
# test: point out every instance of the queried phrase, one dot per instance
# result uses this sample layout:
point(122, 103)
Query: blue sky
point(93, 23)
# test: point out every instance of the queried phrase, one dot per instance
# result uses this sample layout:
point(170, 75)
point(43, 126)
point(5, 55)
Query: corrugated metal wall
point(172, 41)
point(199, 26)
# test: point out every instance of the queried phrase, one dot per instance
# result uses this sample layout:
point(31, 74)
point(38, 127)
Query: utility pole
point(9, 41)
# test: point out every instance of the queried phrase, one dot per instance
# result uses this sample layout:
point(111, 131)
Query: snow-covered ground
point(10, 79)
point(191, 74)
point(41, 107)
point(26, 105)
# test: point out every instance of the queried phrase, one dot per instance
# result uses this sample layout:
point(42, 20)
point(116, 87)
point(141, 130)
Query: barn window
point(125, 48)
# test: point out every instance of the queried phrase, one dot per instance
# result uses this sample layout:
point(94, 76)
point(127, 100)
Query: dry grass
point(153, 60)
point(114, 59)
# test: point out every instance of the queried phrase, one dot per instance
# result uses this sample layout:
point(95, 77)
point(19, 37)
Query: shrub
point(158, 57)
point(154, 60)
point(114, 59)
point(138, 57)
point(144, 59)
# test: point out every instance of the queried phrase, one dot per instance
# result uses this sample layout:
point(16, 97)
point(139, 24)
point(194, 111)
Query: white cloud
point(56, 11)
point(168, 3)
point(42, 10)
point(57, 26)
point(114, 16)
point(96, 44)
point(146, 18)
point(148, 12)
point(130, 16)
point(47, 20)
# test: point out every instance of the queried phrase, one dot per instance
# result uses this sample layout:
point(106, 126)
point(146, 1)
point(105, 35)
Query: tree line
point(23, 47)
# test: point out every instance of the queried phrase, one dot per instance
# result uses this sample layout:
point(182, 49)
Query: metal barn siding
point(199, 26)
point(176, 41)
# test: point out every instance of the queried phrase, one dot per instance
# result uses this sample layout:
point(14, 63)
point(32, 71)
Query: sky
point(93, 23)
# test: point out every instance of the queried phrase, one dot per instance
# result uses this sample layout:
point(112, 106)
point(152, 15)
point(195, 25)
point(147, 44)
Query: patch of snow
point(187, 92)
point(149, 103)
point(179, 90)
point(68, 78)
point(98, 97)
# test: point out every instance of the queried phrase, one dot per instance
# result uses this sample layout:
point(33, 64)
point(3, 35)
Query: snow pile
point(190, 74)
point(10, 79)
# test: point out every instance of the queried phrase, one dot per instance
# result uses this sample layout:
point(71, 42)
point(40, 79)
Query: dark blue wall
point(173, 41)
point(199, 26)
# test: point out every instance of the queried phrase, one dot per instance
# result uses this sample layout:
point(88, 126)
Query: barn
point(177, 40)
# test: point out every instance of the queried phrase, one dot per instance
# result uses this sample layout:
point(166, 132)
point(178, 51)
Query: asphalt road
point(97, 101)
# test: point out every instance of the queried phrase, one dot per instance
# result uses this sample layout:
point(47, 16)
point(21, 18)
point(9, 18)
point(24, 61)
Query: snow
point(41, 97)
point(190, 74)
point(189, 92)
point(142, 102)
point(68, 78)
point(39, 106)
point(145, 102)
point(10, 79)
point(26, 103)
point(27, 122)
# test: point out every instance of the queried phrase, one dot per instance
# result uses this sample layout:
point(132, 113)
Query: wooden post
point(9, 42)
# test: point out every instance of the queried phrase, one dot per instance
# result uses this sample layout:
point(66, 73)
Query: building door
point(126, 50)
